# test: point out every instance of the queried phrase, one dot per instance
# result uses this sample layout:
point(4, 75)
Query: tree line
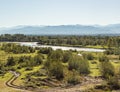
point(109, 41)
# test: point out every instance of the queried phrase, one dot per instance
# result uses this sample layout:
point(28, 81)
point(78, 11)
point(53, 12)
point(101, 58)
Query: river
point(34, 44)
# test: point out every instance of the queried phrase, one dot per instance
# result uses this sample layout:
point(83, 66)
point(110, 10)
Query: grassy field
point(5, 55)
point(94, 68)
point(7, 76)
point(23, 72)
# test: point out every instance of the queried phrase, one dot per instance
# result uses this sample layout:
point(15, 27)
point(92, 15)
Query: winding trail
point(9, 83)
point(87, 84)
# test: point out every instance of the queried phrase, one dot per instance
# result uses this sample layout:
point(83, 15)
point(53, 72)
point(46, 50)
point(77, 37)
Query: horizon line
point(57, 25)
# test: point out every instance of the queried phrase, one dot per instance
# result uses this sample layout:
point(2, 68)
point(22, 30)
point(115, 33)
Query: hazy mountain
point(63, 30)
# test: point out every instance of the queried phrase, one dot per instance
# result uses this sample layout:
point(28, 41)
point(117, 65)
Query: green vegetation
point(73, 77)
point(8, 47)
point(77, 41)
point(48, 68)
point(107, 69)
point(79, 64)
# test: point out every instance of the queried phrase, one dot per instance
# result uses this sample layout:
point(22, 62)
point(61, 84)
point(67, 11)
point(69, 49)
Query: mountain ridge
point(63, 30)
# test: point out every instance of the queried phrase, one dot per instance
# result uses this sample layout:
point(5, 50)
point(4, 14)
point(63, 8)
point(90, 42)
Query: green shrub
point(10, 61)
point(28, 68)
point(88, 56)
point(73, 77)
point(56, 55)
point(113, 82)
point(93, 62)
point(56, 69)
point(38, 59)
point(66, 56)
point(79, 64)
point(103, 59)
point(45, 50)
point(107, 69)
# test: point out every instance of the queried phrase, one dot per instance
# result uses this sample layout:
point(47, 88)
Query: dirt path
point(9, 83)
point(88, 83)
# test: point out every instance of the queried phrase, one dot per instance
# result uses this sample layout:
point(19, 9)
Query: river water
point(34, 44)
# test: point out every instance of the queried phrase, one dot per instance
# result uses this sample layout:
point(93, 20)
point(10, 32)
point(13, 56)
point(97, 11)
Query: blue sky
point(59, 12)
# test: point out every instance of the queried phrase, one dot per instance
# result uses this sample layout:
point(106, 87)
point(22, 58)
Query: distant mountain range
point(63, 30)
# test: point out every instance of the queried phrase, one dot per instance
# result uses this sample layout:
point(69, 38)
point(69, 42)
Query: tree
point(1, 68)
point(107, 69)
point(111, 43)
point(56, 55)
point(114, 83)
point(38, 59)
point(73, 77)
point(88, 56)
point(14, 48)
point(104, 59)
point(56, 69)
point(66, 56)
point(45, 50)
point(10, 61)
point(79, 64)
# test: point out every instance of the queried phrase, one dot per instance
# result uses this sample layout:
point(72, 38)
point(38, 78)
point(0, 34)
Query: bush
point(73, 77)
point(66, 56)
point(113, 82)
point(79, 64)
point(14, 48)
point(56, 69)
point(107, 69)
point(93, 62)
point(1, 72)
point(88, 56)
point(103, 59)
point(115, 51)
point(109, 52)
point(28, 68)
point(38, 59)
point(1, 66)
point(30, 61)
point(45, 50)
point(10, 61)
point(56, 55)
point(74, 63)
